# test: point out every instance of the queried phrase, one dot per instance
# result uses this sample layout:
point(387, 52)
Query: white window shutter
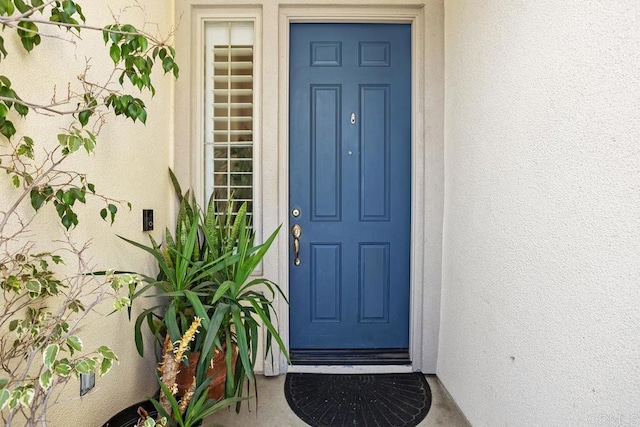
point(228, 111)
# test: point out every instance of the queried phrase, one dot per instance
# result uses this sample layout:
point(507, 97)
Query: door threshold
point(351, 357)
point(350, 369)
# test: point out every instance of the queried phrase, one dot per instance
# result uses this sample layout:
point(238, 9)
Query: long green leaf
point(171, 321)
point(241, 335)
point(138, 329)
point(201, 406)
point(271, 286)
point(198, 308)
point(240, 379)
point(161, 411)
point(175, 407)
point(199, 398)
point(240, 223)
point(229, 384)
point(169, 243)
point(250, 264)
point(211, 334)
point(184, 257)
point(209, 269)
point(244, 249)
point(224, 287)
point(265, 319)
point(150, 284)
point(162, 264)
point(176, 185)
point(210, 228)
point(252, 335)
point(221, 405)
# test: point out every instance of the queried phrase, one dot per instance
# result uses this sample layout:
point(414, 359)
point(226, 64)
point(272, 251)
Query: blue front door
point(350, 186)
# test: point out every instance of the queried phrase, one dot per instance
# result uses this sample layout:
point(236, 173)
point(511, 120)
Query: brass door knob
point(296, 232)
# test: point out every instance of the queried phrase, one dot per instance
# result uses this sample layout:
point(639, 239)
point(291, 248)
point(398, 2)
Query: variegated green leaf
point(63, 369)
point(15, 399)
point(27, 397)
point(105, 366)
point(238, 224)
point(46, 379)
point(210, 229)
point(75, 343)
point(84, 366)
point(107, 353)
point(4, 398)
point(50, 354)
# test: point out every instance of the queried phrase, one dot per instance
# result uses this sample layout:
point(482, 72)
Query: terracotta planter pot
point(217, 372)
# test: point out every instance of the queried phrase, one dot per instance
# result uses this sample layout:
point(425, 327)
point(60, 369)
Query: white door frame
point(272, 19)
point(379, 14)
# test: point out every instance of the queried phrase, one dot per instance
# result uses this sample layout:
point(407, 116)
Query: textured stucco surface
point(541, 238)
point(130, 163)
point(541, 249)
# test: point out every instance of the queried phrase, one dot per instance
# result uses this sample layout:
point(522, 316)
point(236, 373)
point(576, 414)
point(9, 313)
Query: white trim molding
point(413, 15)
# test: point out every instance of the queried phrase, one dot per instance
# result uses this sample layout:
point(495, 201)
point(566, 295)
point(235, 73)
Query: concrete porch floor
point(273, 410)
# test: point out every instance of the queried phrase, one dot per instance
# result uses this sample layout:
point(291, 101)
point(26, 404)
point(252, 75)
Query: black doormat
point(385, 400)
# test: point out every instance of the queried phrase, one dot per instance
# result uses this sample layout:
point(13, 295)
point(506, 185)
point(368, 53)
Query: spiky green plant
point(181, 269)
point(206, 270)
point(194, 405)
point(233, 314)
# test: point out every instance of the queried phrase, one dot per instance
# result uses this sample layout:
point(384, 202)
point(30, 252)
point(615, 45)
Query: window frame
point(201, 17)
point(224, 138)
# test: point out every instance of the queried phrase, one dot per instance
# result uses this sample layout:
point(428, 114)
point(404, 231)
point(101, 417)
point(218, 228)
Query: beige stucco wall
point(540, 258)
point(540, 301)
point(130, 163)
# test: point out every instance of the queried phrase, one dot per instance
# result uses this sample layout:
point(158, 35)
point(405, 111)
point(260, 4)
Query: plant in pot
point(205, 271)
point(182, 267)
point(194, 405)
point(237, 304)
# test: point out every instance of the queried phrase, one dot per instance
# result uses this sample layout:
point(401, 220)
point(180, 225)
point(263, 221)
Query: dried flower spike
point(186, 339)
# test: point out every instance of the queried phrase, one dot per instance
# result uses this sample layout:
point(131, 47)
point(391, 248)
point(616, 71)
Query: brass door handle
point(296, 232)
